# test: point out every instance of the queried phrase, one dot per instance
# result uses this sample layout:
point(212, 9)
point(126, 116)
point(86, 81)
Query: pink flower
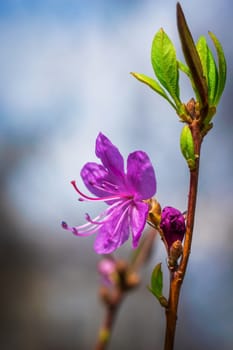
point(124, 193)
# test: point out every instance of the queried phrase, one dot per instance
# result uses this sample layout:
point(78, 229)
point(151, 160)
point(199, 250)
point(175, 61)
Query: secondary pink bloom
point(124, 193)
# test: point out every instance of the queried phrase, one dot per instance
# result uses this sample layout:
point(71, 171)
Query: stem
point(113, 304)
point(178, 277)
point(106, 328)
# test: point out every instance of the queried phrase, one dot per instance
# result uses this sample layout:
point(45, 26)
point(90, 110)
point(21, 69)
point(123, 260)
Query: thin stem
point(130, 280)
point(106, 329)
point(178, 277)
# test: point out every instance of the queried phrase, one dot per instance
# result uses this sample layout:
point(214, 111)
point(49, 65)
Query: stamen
point(94, 221)
point(102, 199)
point(119, 223)
point(93, 225)
point(64, 225)
point(116, 187)
point(80, 230)
point(104, 188)
point(75, 231)
point(104, 185)
point(107, 214)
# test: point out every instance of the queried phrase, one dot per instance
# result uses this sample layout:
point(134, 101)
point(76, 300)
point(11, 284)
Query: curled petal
point(109, 155)
point(138, 216)
point(141, 175)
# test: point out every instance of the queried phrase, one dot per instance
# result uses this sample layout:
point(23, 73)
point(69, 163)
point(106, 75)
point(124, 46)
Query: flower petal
point(93, 176)
point(99, 182)
point(141, 175)
point(109, 155)
point(113, 233)
point(138, 215)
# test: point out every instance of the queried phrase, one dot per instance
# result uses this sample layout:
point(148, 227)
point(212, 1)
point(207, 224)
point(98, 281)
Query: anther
point(64, 225)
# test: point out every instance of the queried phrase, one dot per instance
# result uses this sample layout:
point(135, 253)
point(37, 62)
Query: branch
point(128, 280)
point(178, 277)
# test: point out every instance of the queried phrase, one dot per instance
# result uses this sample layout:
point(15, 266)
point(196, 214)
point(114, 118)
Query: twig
point(129, 279)
point(178, 276)
point(108, 322)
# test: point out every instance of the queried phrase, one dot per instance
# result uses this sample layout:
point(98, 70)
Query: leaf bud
point(175, 253)
point(187, 146)
point(154, 215)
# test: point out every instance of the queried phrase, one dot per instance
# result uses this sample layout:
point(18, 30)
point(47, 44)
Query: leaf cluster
point(206, 76)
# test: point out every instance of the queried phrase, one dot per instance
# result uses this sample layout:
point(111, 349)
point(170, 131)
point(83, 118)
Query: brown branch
point(178, 277)
point(108, 322)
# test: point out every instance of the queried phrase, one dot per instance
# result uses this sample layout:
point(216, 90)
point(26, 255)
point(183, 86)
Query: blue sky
point(67, 9)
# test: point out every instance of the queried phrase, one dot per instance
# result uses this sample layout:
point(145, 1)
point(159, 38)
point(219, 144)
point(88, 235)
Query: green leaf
point(187, 146)
point(222, 68)
point(207, 126)
point(157, 285)
point(163, 58)
point(157, 281)
point(209, 68)
point(153, 84)
point(192, 58)
point(185, 69)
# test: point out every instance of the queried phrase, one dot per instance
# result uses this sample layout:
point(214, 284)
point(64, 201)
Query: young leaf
point(157, 281)
point(192, 58)
point(209, 68)
point(222, 68)
point(163, 58)
point(185, 69)
point(153, 84)
point(157, 285)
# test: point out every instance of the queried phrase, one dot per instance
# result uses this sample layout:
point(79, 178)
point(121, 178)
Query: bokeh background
point(64, 76)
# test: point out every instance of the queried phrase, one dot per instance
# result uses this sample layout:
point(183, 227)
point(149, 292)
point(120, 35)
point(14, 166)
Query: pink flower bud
point(173, 225)
point(107, 271)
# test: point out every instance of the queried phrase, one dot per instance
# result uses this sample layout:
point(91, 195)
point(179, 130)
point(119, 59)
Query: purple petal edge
point(141, 175)
point(109, 155)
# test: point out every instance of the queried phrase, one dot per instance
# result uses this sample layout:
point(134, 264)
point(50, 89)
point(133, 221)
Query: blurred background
point(64, 76)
